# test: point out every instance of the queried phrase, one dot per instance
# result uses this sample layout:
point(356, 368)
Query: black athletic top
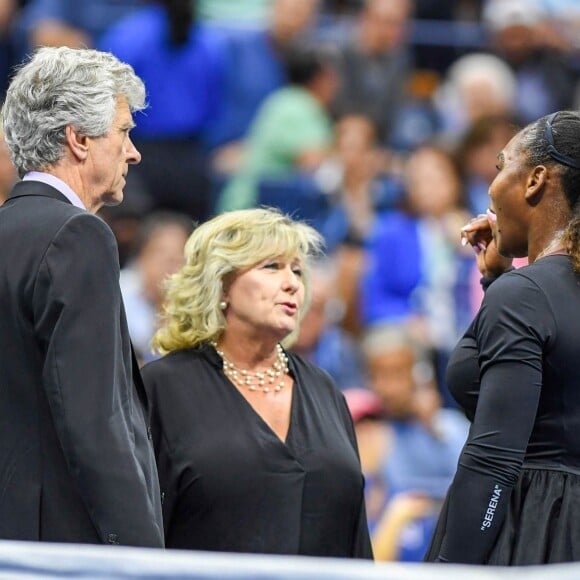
point(229, 483)
point(516, 373)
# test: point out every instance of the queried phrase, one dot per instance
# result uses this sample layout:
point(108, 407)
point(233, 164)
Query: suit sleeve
point(88, 383)
point(514, 327)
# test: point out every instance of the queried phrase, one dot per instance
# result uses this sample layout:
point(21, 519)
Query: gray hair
point(488, 67)
point(60, 87)
point(387, 337)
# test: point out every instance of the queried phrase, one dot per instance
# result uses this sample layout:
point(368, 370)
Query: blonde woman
point(255, 446)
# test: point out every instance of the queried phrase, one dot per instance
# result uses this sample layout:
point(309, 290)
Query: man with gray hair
point(76, 463)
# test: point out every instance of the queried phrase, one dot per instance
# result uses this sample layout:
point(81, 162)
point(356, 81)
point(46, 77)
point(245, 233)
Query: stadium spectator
point(476, 85)
point(476, 155)
point(69, 22)
point(321, 339)
point(408, 443)
point(545, 81)
point(415, 258)
point(156, 254)
point(292, 131)
point(375, 63)
point(180, 62)
point(262, 52)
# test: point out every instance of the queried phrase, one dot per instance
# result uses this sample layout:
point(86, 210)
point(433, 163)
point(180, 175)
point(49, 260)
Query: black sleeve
point(87, 379)
point(362, 547)
point(487, 281)
point(514, 326)
point(157, 378)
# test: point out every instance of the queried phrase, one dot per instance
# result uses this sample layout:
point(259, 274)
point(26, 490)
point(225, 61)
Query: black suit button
point(112, 539)
point(149, 435)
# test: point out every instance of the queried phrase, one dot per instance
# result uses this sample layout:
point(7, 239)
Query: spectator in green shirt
point(292, 129)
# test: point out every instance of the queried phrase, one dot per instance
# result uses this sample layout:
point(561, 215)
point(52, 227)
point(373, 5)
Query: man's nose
point(133, 155)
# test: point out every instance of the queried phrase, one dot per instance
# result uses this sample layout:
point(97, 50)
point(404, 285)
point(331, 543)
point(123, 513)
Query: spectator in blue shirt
point(72, 23)
point(180, 63)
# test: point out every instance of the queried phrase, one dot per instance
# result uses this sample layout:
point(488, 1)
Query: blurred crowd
point(379, 122)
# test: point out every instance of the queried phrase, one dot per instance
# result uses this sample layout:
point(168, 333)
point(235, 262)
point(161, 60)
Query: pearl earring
point(223, 305)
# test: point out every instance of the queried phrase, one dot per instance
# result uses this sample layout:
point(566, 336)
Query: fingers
point(471, 238)
point(477, 246)
point(477, 223)
point(477, 233)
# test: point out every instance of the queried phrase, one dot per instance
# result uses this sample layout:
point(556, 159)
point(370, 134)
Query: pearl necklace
point(258, 381)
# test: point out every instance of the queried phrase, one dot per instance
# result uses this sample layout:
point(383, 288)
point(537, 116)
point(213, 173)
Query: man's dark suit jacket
point(76, 463)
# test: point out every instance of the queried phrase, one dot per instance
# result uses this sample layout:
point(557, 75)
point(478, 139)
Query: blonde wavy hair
point(229, 243)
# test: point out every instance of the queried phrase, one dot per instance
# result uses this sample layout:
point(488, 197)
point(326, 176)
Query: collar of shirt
point(57, 183)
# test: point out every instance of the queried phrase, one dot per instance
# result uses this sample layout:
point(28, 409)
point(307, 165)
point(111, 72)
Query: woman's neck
point(553, 246)
point(248, 354)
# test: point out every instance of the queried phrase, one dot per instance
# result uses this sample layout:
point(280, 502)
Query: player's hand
point(479, 233)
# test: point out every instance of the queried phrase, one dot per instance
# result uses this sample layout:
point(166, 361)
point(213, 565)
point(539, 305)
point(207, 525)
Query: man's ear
point(536, 183)
point(77, 143)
